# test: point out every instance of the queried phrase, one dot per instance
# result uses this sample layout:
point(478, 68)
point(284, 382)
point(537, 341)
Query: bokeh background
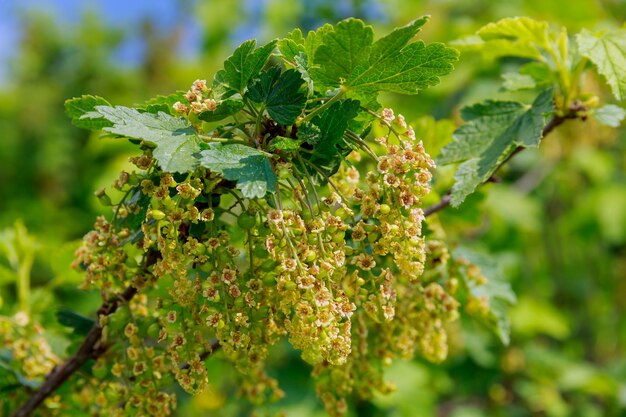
point(557, 223)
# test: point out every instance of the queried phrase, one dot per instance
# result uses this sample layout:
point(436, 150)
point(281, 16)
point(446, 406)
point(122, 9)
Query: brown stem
point(91, 348)
point(549, 127)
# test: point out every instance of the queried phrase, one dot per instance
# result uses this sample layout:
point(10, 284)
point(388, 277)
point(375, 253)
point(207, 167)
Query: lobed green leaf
point(281, 94)
point(175, 139)
point(242, 66)
point(493, 130)
point(249, 167)
point(348, 57)
point(81, 111)
point(607, 51)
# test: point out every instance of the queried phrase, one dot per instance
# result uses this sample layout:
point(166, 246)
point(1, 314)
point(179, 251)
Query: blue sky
point(127, 14)
point(116, 13)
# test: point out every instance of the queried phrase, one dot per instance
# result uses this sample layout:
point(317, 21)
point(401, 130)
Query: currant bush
point(282, 202)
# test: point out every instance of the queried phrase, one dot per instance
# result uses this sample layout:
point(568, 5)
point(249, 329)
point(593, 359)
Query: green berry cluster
point(335, 269)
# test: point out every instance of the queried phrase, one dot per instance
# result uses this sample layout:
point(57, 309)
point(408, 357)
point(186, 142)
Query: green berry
point(154, 330)
point(246, 221)
point(157, 214)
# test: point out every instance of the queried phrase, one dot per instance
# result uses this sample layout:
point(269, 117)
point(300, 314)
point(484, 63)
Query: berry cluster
point(335, 269)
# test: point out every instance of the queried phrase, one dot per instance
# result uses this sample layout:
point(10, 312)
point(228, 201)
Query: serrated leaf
point(76, 108)
point(302, 65)
point(242, 66)
point(496, 290)
point(522, 29)
point(223, 110)
point(496, 48)
point(348, 57)
point(609, 115)
point(81, 324)
point(493, 130)
point(342, 50)
point(285, 144)
point(248, 166)
point(332, 124)
point(291, 45)
point(175, 139)
point(315, 39)
point(539, 72)
point(513, 36)
point(281, 93)
point(309, 133)
point(607, 51)
point(514, 81)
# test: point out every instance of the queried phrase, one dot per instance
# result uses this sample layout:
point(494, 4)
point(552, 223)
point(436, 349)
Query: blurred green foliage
point(556, 223)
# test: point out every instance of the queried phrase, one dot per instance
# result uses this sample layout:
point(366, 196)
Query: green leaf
point(80, 110)
point(164, 103)
point(523, 29)
point(332, 124)
point(493, 130)
point(608, 53)
point(514, 36)
point(540, 73)
point(309, 133)
point(175, 139)
point(285, 144)
point(81, 324)
point(609, 115)
point(496, 290)
point(514, 81)
point(496, 48)
point(242, 66)
point(291, 45)
point(302, 66)
point(315, 39)
point(341, 51)
point(248, 166)
point(224, 109)
point(349, 58)
point(281, 94)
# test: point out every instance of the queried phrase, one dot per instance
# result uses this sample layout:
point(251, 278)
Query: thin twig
point(91, 348)
point(549, 127)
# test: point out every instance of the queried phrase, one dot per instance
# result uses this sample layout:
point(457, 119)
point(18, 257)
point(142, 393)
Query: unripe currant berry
point(341, 213)
point(153, 330)
point(260, 252)
point(246, 220)
point(157, 214)
point(118, 320)
point(373, 237)
point(268, 265)
point(339, 236)
point(269, 280)
point(104, 199)
point(310, 255)
point(384, 209)
point(100, 371)
point(284, 172)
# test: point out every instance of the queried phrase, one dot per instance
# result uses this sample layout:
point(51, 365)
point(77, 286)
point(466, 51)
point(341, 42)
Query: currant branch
point(91, 348)
point(574, 113)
